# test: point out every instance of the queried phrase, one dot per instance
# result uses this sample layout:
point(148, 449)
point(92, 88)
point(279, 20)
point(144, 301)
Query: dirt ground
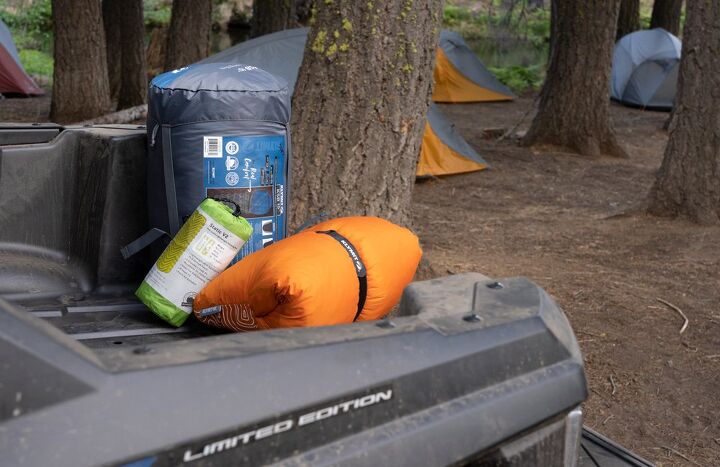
point(575, 226)
point(26, 110)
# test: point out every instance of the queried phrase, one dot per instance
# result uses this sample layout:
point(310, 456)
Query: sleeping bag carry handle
point(360, 269)
point(154, 234)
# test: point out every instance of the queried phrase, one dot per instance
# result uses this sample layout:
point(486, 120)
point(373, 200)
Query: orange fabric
point(308, 279)
point(438, 159)
point(452, 86)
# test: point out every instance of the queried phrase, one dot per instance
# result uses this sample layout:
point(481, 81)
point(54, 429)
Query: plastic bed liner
point(471, 371)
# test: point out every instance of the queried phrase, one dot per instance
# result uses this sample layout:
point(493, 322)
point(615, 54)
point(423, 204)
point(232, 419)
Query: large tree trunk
point(629, 18)
point(111, 11)
point(155, 55)
point(666, 15)
point(273, 15)
point(574, 103)
point(359, 107)
point(189, 34)
point(688, 182)
point(303, 11)
point(133, 84)
point(125, 31)
point(80, 77)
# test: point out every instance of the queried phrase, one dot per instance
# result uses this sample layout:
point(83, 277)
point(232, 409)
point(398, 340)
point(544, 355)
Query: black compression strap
point(359, 267)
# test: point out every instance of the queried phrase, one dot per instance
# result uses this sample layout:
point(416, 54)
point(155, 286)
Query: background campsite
point(575, 224)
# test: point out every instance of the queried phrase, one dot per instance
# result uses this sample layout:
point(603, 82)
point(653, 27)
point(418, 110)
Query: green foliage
point(513, 42)
point(521, 78)
point(538, 27)
point(31, 26)
point(157, 12)
point(455, 15)
point(645, 16)
point(36, 62)
point(523, 22)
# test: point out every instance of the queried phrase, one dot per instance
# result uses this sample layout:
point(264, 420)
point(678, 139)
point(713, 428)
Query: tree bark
point(133, 84)
point(666, 15)
point(303, 11)
point(127, 70)
point(574, 103)
point(629, 18)
point(688, 183)
point(359, 107)
point(80, 78)
point(111, 11)
point(189, 34)
point(272, 16)
point(155, 55)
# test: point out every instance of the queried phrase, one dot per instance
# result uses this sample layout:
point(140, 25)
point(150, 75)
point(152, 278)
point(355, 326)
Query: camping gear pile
point(645, 69)
point(219, 130)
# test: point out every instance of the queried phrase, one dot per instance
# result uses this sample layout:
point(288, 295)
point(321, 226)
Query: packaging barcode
point(212, 146)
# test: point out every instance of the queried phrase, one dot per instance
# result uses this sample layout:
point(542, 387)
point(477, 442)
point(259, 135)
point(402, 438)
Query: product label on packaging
point(179, 274)
point(249, 170)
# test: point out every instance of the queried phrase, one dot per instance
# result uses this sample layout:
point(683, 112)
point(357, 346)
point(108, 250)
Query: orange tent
point(461, 77)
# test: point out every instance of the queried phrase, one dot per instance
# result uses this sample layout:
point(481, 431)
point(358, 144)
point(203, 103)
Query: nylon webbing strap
point(141, 243)
point(170, 196)
point(359, 267)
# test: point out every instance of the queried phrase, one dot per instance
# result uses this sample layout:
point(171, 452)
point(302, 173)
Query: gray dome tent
point(645, 69)
point(444, 151)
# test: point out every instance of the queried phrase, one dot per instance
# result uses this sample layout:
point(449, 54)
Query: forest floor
point(21, 109)
point(575, 225)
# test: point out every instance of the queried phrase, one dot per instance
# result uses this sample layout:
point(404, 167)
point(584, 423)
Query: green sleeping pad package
point(205, 245)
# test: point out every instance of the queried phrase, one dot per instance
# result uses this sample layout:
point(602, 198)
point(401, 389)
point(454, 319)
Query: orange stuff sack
point(314, 278)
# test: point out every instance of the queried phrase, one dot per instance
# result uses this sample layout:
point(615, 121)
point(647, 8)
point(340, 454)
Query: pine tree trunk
point(125, 31)
point(359, 107)
point(629, 18)
point(666, 15)
point(111, 11)
point(272, 16)
point(688, 182)
point(189, 34)
point(133, 84)
point(156, 51)
point(80, 78)
point(303, 11)
point(574, 102)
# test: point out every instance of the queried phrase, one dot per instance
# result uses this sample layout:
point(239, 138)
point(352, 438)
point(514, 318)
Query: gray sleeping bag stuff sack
point(218, 130)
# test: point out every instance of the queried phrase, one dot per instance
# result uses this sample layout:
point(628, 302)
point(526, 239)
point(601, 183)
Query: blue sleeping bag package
point(220, 130)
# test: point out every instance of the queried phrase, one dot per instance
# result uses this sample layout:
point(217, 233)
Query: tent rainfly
point(443, 151)
point(460, 76)
point(13, 79)
point(645, 69)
